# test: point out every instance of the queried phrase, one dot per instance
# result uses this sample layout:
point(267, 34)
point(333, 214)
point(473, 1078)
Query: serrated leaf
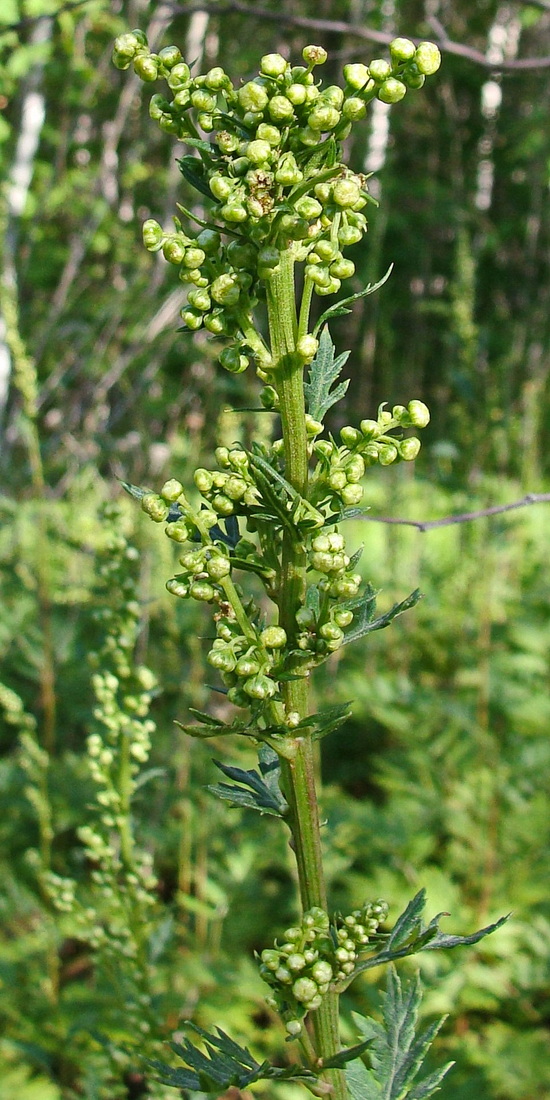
point(223, 1065)
point(339, 309)
point(395, 1053)
point(326, 720)
point(363, 608)
point(323, 373)
point(252, 790)
point(410, 936)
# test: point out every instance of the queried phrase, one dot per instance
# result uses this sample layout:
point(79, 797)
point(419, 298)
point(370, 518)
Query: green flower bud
point(237, 696)
point(218, 567)
point(343, 618)
point(199, 299)
point(342, 268)
point(402, 49)
point(322, 972)
point(155, 507)
point(293, 1028)
point(171, 490)
point(235, 487)
point(234, 212)
point(427, 58)
point(178, 531)
point(331, 632)
point(419, 414)
point(338, 480)
point(194, 257)
point(349, 234)
point(258, 152)
point(356, 76)
point(355, 468)
point(323, 118)
point(331, 287)
point(223, 660)
point(304, 989)
point(350, 436)
point(177, 588)
point(370, 429)
point(392, 90)
point(216, 79)
point(153, 235)
point(253, 96)
point(307, 348)
point(173, 250)
point(223, 505)
point(269, 257)
point(314, 55)
point(273, 64)
point(270, 958)
point(260, 687)
point(241, 254)
point(353, 109)
point(179, 77)
point(225, 291)
point(125, 49)
point(387, 454)
point(346, 192)
point(308, 207)
point(297, 94)
point(409, 448)
point(227, 143)
point(273, 637)
point(182, 99)
point(201, 590)
point(146, 68)
point(280, 109)
point(308, 137)
point(192, 318)
point(170, 56)
point(232, 360)
point(351, 495)
point(215, 323)
point(412, 77)
point(221, 187)
point(268, 133)
point(296, 961)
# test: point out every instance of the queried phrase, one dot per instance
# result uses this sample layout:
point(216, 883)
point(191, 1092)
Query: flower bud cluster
point(230, 489)
point(299, 971)
point(352, 935)
point(271, 186)
point(247, 665)
point(340, 469)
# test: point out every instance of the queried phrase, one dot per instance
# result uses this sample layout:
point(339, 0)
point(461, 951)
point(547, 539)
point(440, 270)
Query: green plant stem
point(298, 773)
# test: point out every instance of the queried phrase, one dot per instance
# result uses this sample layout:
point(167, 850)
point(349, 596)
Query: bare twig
point(464, 517)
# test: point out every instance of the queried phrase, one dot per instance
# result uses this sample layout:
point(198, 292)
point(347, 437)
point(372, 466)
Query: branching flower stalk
point(267, 156)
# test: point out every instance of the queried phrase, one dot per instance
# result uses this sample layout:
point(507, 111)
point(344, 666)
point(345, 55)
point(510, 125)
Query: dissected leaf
point(323, 373)
point(363, 608)
point(340, 308)
point(223, 1065)
point(192, 170)
point(252, 790)
point(395, 1053)
point(410, 936)
point(326, 720)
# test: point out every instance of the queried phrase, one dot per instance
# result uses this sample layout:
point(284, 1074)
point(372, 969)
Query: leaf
point(396, 1054)
point(253, 790)
point(323, 372)
point(223, 1065)
point(339, 1060)
point(363, 608)
point(410, 936)
point(190, 169)
point(326, 720)
point(340, 308)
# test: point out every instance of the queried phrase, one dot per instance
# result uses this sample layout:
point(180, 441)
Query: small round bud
point(307, 347)
point(392, 90)
point(146, 68)
point(402, 49)
point(280, 109)
point(273, 64)
point(258, 152)
point(171, 490)
point(232, 361)
point(297, 94)
point(225, 291)
point(201, 590)
point(346, 192)
point(322, 972)
point(314, 55)
point(178, 531)
point(177, 588)
point(153, 505)
point(260, 687)
point(409, 448)
point(253, 96)
point(294, 1028)
point(179, 77)
point(387, 454)
point(218, 567)
point(323, 117)
point(173, 250)
point(356, 76)
point(351, 495)
point(343, 617)
point(427, 58)
point(216, 79)
point(350, 436)
point(153, 235)
point(170, 56)
point(369, 428)
point(419, 414)
point(353, 109)
point(296, 961)
point(304, 989)
point(273, 637)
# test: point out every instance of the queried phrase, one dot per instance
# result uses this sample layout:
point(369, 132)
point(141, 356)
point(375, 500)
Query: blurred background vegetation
point(439, 779)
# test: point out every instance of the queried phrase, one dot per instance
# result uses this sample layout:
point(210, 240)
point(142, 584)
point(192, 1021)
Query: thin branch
point(367, 34)
point(329, 26)
point(464, 517)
